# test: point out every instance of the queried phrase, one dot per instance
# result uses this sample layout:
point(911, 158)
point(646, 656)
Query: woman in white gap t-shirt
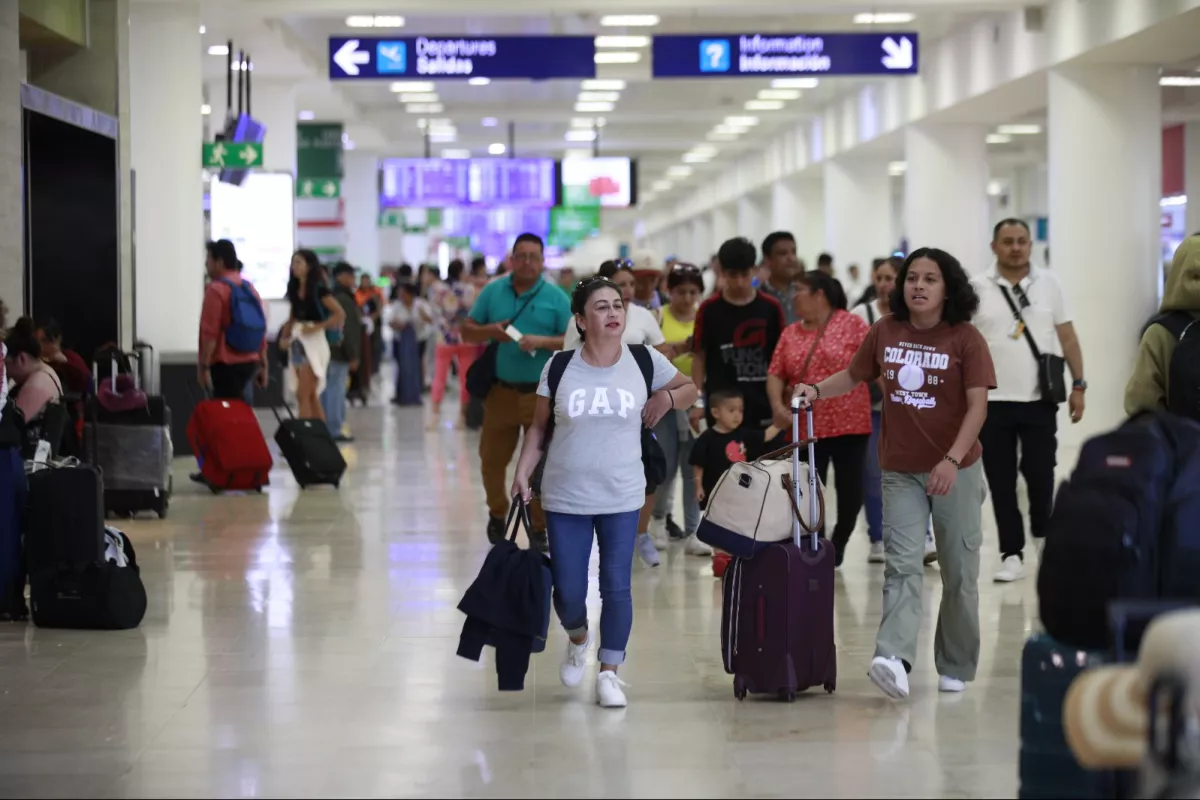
point(641, 326)
point(593, 483)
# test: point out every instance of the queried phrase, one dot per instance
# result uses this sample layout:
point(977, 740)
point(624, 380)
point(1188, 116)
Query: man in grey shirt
point(779, 257)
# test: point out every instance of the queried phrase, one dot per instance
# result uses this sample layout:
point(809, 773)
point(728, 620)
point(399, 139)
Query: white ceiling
point(654, 121)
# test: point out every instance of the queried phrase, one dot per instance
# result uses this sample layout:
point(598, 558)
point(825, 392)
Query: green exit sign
point(232, 154)
point(318, 187)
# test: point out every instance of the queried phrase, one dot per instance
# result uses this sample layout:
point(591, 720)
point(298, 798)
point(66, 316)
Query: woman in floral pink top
point(452, 302)
point(820, 344)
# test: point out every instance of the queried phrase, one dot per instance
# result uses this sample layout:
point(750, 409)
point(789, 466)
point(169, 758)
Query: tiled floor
point(302, 644)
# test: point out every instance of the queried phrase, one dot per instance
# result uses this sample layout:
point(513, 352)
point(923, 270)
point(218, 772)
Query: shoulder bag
point(1052, 384)
point(482, 374)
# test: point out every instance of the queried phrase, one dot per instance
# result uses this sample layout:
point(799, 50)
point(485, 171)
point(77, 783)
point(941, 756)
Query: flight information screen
point(446, 183)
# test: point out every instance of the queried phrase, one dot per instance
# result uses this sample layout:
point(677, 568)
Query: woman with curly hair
point(936, 372)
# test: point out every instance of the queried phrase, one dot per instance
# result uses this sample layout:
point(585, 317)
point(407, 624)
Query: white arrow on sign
point(249, 156)
point(348, 57)
point(329, 189)
point(898, 55)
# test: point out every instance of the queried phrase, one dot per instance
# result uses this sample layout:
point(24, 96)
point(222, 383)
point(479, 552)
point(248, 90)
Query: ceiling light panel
point(490, 122)
point(764, 105)
point(599, 97)
point(419, 97)
point(741, 122)
point(618, 57)
point(779, 94)
point(593, 108)
point(629, 20)
point(424, 108)
point(456, 153)
point(661, 186)
point(581, 135)
point(717, 136)
point(377, 21)
point(497, 149)
point(601, 85)
point(885, 18)
point(479, 81)
point(794, 83)
point(218, 50)
point(305, 116)
point(998, 138)
point(897, 167)
point(583, 122)
point(1179, 80)
point(679, 172)
point(1019, 130)
point(205, 110)
point(618, 42)
point(443, 137)
point(412, 86)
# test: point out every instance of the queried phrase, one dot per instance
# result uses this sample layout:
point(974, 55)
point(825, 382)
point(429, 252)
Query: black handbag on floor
point(1052, 382)
point(97, 596)
point(310, 450)
point(482, 375)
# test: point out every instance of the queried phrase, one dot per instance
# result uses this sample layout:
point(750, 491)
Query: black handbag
point(1052, 382)
point(481, 376)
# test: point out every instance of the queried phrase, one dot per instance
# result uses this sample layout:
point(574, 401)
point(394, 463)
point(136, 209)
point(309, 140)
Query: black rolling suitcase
point(310, 450)
point(133, 449)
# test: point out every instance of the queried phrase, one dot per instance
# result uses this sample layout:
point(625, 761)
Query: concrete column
point(945, 191)
point(1105, 161)
point(722, 226)
point(858, 213)
point(809, 226)
point(360, 194)
point(274, 105)
point(1191, 175)
point(165, 132)
point(702, 237)
point(12, 266)
point(752, 219)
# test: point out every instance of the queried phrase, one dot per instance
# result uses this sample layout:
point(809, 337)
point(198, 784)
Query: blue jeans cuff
point(611, 657)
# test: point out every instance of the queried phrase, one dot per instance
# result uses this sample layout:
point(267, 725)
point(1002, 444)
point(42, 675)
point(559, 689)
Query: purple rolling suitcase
point(777, 616)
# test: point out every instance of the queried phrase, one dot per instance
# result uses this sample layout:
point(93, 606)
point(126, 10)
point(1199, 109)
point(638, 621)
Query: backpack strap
point(558, 366)
point(641, 354)
point(1176, 322)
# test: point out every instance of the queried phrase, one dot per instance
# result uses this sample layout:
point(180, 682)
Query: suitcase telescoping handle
point(814, 501)
point(275, 411)
point(137, 382)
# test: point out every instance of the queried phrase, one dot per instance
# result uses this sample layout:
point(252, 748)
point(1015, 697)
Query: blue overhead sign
point(772, 55)
point(461, 57)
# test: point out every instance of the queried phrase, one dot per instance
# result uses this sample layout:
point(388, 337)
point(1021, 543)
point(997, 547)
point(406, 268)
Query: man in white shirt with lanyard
point(1018, 410)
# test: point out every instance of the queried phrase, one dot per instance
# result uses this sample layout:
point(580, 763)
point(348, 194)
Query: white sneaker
point(889, 675)
point(574, 663)
point(658, 533)
point(608, 690)
point(1011, 570)
point(950, 685)
point(694, 547)
point(878, 554)
point(930, 551)
point(646, 550)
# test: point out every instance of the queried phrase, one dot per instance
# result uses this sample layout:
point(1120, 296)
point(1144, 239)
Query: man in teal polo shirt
point(541, 312)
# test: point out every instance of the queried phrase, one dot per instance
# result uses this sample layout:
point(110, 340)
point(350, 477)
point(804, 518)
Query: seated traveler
point(35, 384)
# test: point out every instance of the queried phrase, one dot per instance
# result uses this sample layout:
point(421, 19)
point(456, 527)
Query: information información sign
point(462, 57)
point(754, 55)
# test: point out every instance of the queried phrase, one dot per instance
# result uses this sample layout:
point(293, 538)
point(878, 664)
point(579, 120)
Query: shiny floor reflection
point(302, 644)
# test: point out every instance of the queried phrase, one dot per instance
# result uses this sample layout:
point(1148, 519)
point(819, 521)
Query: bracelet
point(816, 389)
point(952, 460)
point(672, 398)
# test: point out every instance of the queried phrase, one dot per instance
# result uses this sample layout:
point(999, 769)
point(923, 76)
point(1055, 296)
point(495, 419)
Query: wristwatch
point(1079, 385)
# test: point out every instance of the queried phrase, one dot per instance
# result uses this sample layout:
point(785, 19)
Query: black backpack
point(1183, 373)
point(1125, 526)
point(654, 462)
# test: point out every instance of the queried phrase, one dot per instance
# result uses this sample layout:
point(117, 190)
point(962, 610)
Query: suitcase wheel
point(258, 489)
point(214, 489)
point(831, 687)
point(739, 688)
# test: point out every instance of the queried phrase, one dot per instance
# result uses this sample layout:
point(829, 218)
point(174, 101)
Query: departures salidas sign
point(461, 57)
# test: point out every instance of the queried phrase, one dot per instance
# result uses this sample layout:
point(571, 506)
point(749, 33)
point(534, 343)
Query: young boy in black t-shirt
point(726, 442)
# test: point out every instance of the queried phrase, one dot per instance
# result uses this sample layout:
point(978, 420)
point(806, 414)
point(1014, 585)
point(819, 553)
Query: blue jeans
point(333, 399)
point(873, 484)
point(571, 551)
point(678, 453)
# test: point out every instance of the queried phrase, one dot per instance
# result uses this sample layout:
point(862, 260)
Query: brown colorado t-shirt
point(926, 374)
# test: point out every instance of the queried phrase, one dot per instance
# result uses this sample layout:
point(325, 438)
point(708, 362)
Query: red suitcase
point(777, 616)
point(229, 445)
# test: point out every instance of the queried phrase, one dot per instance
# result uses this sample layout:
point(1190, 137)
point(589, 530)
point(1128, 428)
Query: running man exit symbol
point(714, 55)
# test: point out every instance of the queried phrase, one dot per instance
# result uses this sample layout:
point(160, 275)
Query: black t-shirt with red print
point(737, 343)
point(714, 452)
